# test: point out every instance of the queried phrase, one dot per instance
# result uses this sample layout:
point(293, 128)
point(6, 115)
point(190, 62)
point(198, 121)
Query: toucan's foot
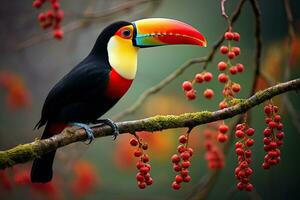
point(88, 130)
point(112, 124)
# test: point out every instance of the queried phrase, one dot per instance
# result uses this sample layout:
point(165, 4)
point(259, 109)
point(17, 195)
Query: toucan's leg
point(110, 123)
point(88, 130)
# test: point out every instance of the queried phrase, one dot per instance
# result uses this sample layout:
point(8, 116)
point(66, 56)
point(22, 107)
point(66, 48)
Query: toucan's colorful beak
point(160, 31)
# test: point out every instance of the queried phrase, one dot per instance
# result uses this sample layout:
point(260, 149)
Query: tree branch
point(26, 152)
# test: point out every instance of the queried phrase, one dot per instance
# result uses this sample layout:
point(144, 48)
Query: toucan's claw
point(88, 130)
point(112, 124)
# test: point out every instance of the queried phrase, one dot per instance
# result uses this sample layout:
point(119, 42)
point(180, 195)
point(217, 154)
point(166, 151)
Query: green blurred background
point(42, 64)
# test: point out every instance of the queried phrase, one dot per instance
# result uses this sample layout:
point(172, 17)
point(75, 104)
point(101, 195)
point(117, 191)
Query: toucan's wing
point(84, 82)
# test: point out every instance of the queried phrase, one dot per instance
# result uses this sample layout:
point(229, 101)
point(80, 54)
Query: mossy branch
point(26, 152)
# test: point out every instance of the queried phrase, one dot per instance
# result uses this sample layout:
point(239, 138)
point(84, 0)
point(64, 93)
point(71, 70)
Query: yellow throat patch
point(122, 56)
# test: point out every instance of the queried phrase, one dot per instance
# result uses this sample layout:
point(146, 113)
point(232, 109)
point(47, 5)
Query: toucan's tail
point(41, 171)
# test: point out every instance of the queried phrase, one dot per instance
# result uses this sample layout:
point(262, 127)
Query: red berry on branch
point(37, 4)
point(223, 128)
point(228, 35)
point(233, 70)
point(137, 153)
point(182, 139)
point(58, 34)
point(199, 78)
point(187, 86)
point(133, 142)
point(55, 5)
point(175, 158)
point(224, 49)
point(142, 185)
point(250, 131)
point(42, 17)
point(222, 66)
point(187, 179)
point(231, 55)
point(223, 105)
point(178, 179)
point(222, 137)
point(223, 78)
point(267, 109)
point(208, 76)
point(175, 186)
point(236, 50)
point(240, 67)
point(236, 36)
point(277, 118)
point(191, 95)
point(236, 87)
point(239, 134)
point(208, 93)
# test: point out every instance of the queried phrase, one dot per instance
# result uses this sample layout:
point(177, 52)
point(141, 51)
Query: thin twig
point(26, 152)
point(258, 41)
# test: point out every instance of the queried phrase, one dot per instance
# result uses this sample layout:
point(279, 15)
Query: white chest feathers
point(122, 56)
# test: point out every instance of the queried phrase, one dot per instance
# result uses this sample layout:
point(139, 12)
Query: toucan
point(98, 82)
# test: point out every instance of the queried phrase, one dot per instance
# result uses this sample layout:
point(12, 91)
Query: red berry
point(240, 67)
point(58, 34)
point(55, 5)
point(208, 93)
point(181, 148)
point(223, 78)
point(175, 158)
point(149, 181)
point(239, 134)
point(185, 164)
point(222, 66)
point(175, 186)
point(59, 16)
point(249, 142)
point(267, 132)
point(133, 142)
point(145, 158)
point(280, 135)
point(240, 127)
point(272, 124)
point(223, 105)
point(137, 153)
point(267, 110)
point(182, 139)
point(185, 155)
point(267, 140)
point(273, 145)
point(236, 50)
point(178, 179)
point(222, 137)
point(187, 86)
point(140, 177)
point(191, 95)
point(236, 87)
point(236, 36)
point(223, 128)
point(187, 179)
point(239, 151)
point(231, 55)
point(199, 78)
point(37, 3)
point(42, 17)
point(207, 76)
point(184, 172)
point(250, 131)
point(249, 187)
point(176, 167)
point(233, 70)
point(279, 126)
point(240, 186)
point(224, 49)
point(228, 35)
point(238, 145)
point(191, 151)
point(144, 170)
point(266, 165)
point(142, 185)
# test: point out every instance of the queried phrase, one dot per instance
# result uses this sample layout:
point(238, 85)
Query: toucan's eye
point(126, 33)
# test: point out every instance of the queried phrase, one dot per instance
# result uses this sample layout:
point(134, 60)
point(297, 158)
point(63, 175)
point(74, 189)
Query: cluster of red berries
point(226, 68)
point(243, 170)
point(273, 136)
point(51, 18)
point(143, 176)
point(213, 153)
point(181, 162)
point(190, 92)
point(222, 136)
